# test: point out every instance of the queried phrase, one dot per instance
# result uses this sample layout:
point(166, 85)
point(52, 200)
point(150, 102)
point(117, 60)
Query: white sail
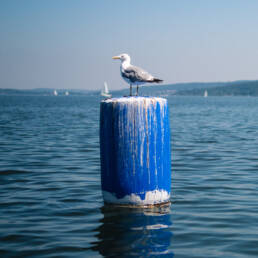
point(67, 93)
point(205, 94)
point(105, 91)
point(55, 93)
point(106, 88)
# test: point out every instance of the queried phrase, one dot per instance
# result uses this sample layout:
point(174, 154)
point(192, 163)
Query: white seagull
point(134, 75)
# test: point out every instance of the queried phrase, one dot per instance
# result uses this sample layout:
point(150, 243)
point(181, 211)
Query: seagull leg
point(130, 89)
point(137, 90)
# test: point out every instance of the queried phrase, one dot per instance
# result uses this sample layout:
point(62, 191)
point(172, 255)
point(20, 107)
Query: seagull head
point(123, 57)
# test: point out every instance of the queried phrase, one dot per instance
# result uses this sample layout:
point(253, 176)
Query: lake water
point(50, 196)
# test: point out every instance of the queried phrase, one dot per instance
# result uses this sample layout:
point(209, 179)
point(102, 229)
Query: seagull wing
point(136, 74)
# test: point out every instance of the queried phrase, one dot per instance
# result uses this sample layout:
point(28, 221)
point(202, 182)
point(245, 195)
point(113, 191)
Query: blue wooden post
point(135, 151)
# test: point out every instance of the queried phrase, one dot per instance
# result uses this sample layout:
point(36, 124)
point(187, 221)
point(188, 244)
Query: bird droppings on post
point(135, 151)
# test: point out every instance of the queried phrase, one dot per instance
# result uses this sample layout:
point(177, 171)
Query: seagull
point(134, 75)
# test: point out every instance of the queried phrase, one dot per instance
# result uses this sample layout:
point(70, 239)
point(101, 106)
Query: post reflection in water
point(127, 232)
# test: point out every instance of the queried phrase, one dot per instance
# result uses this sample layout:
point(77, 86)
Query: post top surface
point(132, 99)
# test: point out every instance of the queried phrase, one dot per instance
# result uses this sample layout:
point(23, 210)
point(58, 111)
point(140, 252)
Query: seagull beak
point(116, 57)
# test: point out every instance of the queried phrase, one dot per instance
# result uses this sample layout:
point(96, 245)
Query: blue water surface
point(50, 194)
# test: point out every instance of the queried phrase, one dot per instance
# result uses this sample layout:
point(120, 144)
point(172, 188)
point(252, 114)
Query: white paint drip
point(151, 197)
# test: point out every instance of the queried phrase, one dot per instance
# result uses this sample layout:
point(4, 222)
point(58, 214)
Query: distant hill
point(239, 88)
point(42, 91)
point(236, 88)
point(169, 89)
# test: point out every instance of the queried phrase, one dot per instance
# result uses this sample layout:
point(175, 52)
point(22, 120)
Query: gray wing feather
point(136, 74)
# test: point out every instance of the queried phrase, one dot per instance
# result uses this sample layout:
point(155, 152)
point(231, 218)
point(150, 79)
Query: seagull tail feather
point(157, 80)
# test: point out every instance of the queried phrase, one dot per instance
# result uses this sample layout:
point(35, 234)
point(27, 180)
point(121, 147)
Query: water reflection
point(127, 232)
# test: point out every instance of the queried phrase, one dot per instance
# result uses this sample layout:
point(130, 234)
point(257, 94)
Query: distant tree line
point(244, 88)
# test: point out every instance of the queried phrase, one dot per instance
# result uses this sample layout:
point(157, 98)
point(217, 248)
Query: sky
point(69, 44)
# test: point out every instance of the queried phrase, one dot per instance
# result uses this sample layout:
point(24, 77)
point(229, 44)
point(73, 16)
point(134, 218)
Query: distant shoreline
point(235, 88)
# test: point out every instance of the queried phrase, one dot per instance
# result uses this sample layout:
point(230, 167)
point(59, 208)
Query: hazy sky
point(69, 44)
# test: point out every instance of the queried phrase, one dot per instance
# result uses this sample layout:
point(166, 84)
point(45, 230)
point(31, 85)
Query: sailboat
point(205, 94)
point(66, 93)
point(105, 91)
point(55, 93)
